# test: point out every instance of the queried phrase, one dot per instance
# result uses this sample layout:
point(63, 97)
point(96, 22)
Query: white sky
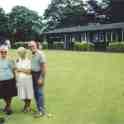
point(37, 5)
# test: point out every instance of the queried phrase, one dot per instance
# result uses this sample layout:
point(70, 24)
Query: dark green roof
point(90, 27)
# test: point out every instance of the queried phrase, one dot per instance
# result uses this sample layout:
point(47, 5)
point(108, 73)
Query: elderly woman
point(24, 78)
point(7, 81)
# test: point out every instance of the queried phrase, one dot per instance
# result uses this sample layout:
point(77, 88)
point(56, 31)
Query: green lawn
point(81, 88)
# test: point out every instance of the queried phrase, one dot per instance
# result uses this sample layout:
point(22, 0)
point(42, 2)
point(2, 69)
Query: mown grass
point(81, 88)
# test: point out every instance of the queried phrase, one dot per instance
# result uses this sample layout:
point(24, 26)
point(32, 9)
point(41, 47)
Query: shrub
point(20, 44)
point(45, 45)
point(83, 46)
point(58, 45)
point(116, 46)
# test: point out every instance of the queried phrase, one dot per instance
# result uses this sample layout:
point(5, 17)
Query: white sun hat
point(3, 47)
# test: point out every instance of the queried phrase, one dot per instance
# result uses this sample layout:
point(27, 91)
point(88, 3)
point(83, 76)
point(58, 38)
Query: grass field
point(81, 88)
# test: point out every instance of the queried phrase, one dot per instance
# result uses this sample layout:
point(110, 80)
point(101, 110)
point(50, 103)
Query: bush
point(83, 46)
point(58, 45)
point(20, 44)
point(116, 46)
point(45, 45)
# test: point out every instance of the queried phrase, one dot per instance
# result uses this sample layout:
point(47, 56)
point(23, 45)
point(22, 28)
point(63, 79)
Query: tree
point(96, 9)
point(114, 10)
point(24, 24)
point(3, 23)
point(60, 12)
point(93, 7)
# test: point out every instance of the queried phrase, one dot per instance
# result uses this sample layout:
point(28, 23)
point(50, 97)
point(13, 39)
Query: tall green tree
point(3, 23)
point(97, 8)
point(60, 12)
point(24, 24)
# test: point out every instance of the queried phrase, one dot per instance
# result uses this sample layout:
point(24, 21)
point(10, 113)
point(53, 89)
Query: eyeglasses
point(31, 46)
point(3, 52)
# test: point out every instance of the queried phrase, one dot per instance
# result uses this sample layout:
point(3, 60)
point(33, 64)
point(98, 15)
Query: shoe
point(38, 114)
point(8, 112)
point(26, 110)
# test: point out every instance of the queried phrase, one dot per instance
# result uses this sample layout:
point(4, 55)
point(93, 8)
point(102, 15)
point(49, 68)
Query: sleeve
point(42, 58)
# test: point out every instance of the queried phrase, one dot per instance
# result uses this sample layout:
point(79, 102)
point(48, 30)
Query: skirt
point(25, 87)
point(8, 88)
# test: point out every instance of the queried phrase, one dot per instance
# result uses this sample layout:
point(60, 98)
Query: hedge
point(58, 45)
point(45, 45)
point(83, 46)
point(20, 44)
point(116, 47)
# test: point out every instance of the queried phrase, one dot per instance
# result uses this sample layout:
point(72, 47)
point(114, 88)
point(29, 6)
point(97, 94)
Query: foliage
point(93, 7)
point(116, 46)
point(20, 44)
point(114, 10)
point(24, 24)
point(3, 23)
point(45, 45)
point(60, 12)
point(58, 45)
point(83, 46)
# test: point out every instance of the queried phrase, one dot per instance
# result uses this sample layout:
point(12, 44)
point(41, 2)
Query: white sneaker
point(38, 114)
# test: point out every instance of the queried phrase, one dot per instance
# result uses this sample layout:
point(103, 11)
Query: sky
point(36, 5)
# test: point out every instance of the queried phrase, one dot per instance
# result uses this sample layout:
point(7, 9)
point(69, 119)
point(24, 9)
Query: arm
point(26, 71)
point(13, 66)
point(43, 74)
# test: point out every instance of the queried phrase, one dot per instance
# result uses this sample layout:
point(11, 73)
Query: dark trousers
point(38, 92)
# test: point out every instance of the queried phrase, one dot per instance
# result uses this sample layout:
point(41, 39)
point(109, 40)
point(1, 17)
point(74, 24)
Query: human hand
point(40, 82)
point(20, 70)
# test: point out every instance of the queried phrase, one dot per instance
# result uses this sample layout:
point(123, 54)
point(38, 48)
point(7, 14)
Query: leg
point(38, 92)
point(27, 105)
point(8, 105)
point(39, 97)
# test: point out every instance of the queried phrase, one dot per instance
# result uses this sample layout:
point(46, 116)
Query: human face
point(3, 53)
point(33, 47)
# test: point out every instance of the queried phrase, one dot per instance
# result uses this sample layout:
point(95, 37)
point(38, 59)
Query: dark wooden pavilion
point(99, 34)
